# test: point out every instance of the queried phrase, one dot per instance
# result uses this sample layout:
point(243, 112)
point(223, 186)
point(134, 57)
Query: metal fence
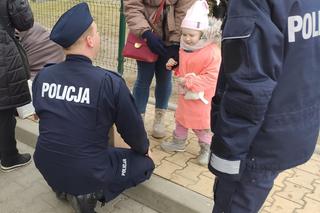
point(108, 14)
point(111, 26)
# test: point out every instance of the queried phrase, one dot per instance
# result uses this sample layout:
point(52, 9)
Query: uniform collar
point(78, 58)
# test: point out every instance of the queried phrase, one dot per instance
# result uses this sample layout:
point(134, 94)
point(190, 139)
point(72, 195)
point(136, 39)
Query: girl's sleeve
point(207, 79)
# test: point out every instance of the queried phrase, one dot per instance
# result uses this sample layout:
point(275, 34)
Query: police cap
point(71, 25)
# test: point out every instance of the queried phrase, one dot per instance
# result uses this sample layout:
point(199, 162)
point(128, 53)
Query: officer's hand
point(155, 44)
point(35, 117)
point(149, 154)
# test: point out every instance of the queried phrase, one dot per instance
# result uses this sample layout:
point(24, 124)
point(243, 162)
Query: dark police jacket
point(265, 114)
point(14, 73)
point(77, 104)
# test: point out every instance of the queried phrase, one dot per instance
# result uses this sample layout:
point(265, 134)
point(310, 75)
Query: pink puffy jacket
point(205, 63)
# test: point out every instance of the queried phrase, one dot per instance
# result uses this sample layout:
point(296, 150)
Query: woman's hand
point(170, 64)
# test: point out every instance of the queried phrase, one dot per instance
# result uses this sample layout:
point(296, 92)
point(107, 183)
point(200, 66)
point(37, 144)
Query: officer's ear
point(89, 36)
point(90, 41)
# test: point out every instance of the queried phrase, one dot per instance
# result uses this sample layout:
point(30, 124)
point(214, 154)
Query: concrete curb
point(27, 132)
point(156, 193)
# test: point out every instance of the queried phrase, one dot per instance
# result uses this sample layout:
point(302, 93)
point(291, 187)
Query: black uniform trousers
point(246, 195)
point(125, 168)
point(8, 142)
point(138, 169)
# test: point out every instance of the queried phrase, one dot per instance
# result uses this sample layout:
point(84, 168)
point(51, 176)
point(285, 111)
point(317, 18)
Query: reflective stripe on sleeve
point(225, 166)
point(236, 37)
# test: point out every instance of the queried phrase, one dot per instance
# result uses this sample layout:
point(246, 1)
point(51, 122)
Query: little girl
point(197, 74)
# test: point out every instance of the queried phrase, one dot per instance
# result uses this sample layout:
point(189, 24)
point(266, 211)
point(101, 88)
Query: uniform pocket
point(236, 33)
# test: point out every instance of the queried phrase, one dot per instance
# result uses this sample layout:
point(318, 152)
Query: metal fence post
point(122, 34)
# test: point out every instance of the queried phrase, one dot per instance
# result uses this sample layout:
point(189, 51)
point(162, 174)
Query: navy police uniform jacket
point(77, 104)
point(265, 113)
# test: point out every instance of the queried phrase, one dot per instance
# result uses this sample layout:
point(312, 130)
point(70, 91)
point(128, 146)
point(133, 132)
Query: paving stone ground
point(295, 191)
point(25, 191)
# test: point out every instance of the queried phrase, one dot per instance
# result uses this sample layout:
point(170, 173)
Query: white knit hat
point(197, 16)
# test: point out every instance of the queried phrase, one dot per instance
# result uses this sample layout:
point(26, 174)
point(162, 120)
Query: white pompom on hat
point(197, 16)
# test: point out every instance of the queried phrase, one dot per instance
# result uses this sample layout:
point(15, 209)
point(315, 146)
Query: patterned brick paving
point(295, 190)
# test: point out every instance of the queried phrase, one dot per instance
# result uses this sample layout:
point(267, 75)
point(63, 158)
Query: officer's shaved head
point(88, 32)
point(88, 42)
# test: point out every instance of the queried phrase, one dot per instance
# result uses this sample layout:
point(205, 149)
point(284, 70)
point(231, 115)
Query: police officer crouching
point(77, 104)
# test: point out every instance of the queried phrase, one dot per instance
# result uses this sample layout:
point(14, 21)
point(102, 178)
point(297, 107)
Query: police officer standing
point(77, 104)
point(265, 115)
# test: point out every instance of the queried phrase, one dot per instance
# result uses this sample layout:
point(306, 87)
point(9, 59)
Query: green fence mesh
point(106, 14)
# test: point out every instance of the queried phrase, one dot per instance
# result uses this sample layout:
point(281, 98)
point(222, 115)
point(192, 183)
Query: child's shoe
point(176, 145)
point(203, 158)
